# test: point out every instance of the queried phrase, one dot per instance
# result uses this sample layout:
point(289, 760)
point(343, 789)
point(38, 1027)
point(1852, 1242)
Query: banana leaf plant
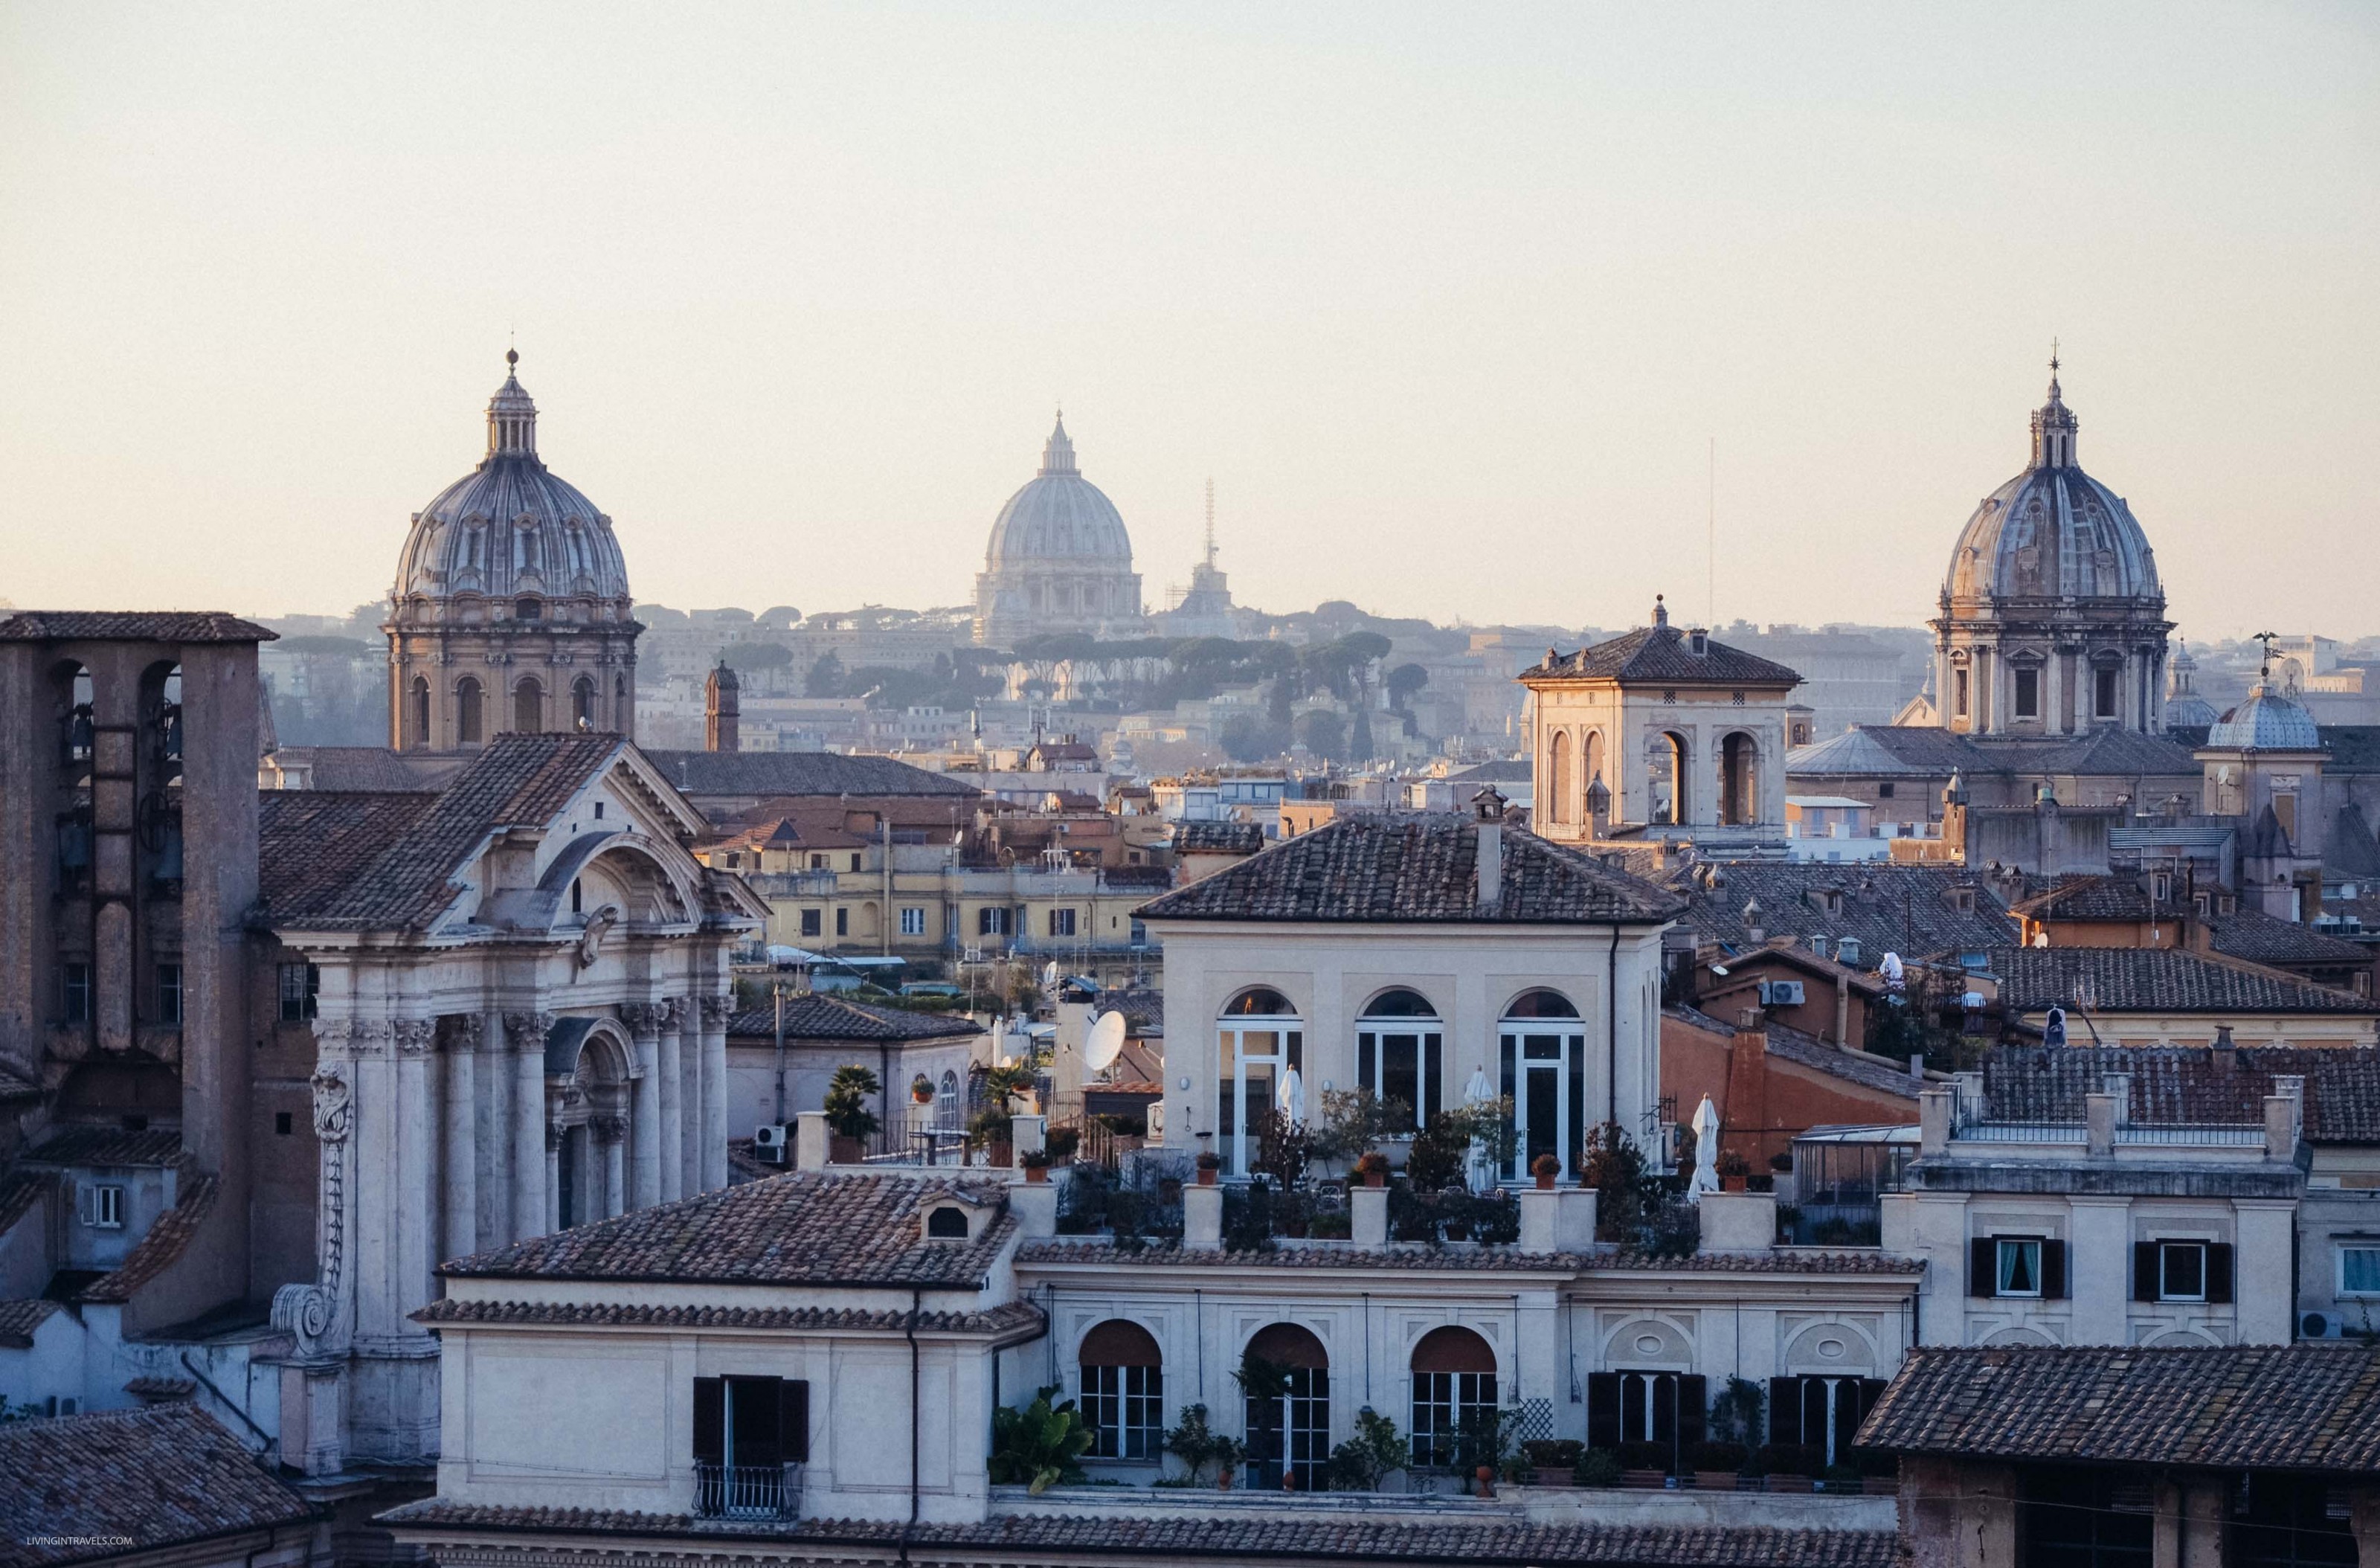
point(1037, 1444)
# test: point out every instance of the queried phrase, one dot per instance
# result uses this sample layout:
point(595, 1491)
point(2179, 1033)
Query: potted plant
point(1716, 1464)
point(1197, 1445)
point(993, 1128)
point(1732, 1168)
point(921, 1090)
point(1210, 1165)
point(1037, 1444)
point(1374, 1168)
point(847, 1115)
point(1062, 1143)
point(1597, 1468)
point(1554, 1460)
point(1547, 1168)
point(1644, 1464)
point(1035, 1163)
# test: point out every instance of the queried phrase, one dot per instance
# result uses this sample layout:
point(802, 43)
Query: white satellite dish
point(1105, 1042)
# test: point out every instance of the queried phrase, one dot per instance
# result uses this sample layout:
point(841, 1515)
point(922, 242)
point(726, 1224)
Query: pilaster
point(526, 1033)
point(715, 1013)
point(461, 1154)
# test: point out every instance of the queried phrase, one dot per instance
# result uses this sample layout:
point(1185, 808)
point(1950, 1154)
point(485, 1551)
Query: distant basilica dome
point(511, 608)
point(2052, 620)
point(1059, 559)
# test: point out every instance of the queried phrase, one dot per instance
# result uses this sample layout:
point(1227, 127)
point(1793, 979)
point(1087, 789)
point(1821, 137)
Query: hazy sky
point(1449, 299)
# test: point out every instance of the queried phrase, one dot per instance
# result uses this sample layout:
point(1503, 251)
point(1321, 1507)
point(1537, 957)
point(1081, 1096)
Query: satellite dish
point(1105, 1042)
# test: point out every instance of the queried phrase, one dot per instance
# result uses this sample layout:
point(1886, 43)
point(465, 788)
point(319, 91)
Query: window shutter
point(1784, 1410)
point(2144, 1271)
point(2218, 1271)
point(710, 1421)
point(2053, 1270)
point(1870, 1390)
point(1983, 1268)
point(1603, 1409)
point(1694, 1407)
point(793, 1420)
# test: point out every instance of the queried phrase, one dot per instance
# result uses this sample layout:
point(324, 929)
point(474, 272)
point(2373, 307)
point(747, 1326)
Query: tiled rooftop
point(771, 774)
point(1009, 1318)
point(1913, 910)
point(819, 1016)
point(1217, 838)
point(2174, 1086)
point(162, 1247)
point(2156, 980)
point(1335, 1539)
point(19, 1319)
point(800, 1228)
point(136, 1480)
point(124, 626)
point(72, 1145)
point(1662, 653)
point(2302, 1406)
point(1424, 867)
point(2267, 938)
point(1420, 1258)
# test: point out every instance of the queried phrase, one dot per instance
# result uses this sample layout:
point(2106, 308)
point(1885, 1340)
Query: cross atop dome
point(2053, 424)
point(1058, 453)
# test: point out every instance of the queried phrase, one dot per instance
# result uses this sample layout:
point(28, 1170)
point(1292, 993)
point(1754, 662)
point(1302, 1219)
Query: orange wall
point(1762, 1100)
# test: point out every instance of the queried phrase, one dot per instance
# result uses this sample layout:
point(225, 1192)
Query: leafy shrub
point(1037, 1444)
point(1359, 1463)
point(846, 1102)
point(1061, 1142)
point(1197, 1445)
point(1645, 1456)
point(1597, 1468)
point(1553, 1454)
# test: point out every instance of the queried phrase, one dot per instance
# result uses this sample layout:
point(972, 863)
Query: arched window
point(528, 707)
point(1666, 765)
point(1256, 1040)
point(1399, 1052)
point(1542, 1061)
point(466, 711)
point(946, 1100)
point(1558, 797)
point(1288, 1424)
point(1454, 1390)
point(1738, 780)
point(947, 1224)
point(417, 713)
point(527, 610)
point(1123, 1392)
point(1590, 761)
point(582, 704)
point(76, 731)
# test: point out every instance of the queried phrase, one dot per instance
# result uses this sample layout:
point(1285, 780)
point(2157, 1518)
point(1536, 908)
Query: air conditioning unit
point(2320, 1326)
point(1780, 993)
point(768, 1143)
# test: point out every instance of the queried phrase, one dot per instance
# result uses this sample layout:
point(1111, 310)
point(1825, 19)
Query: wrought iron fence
point(747, 1491)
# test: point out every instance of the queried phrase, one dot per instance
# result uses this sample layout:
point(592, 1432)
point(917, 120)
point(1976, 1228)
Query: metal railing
point(747, 1491)
point(2182, 1135)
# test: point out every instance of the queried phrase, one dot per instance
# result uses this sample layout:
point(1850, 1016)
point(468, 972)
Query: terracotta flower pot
point(845, 1151)
point(1714, 1480)
point(1486, 1478)
point(1224, 1479)
point(1207, 1175)
point(924, 1099)
point(1545, 1184)
point(1037, 1173)
point(1730, 1183)
point(1375, 1178)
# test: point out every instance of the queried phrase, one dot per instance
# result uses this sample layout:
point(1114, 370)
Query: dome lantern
point(512, 417)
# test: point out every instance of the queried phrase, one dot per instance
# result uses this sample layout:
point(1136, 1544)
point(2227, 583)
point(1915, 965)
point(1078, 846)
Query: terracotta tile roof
point(1852, 1066)
point(1779, 1260)
point(141, 1480)
point(396, 856)
point(1009, 1318)
point(124, 626)
point(19, 1319)
point(1409, 1260)
point(1911, 910)
point(20, 1191)
point(13, 1085)
point(162, 1247)
point(1217, 838)
point(799, 1228)
point(2156, 980)
point(2181, 1086)
point(158, 1389)
point(108, 1146)
point(2267, 938)
point(370, 769)
point(1661, 653)
point(772, 774)
point(1423, 866)
point(2097, 898)
point(2301, 1406)
point(1331, 1538)
point(819, 1017)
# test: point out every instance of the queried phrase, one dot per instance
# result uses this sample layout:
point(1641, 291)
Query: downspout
point(1611, 1041)
point(780, 991)
point(884, 922)
point(917, 1300)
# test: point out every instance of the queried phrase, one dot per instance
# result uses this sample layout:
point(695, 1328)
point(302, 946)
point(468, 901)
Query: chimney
point(1753, 925)
point(2224, 1056)
point(2099, 1123)
point(1487, 810)
point(2282, 1126)
point(721, 705)
point(2118, 1086)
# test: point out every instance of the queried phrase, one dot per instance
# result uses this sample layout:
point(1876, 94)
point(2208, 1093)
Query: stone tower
point(721, 701)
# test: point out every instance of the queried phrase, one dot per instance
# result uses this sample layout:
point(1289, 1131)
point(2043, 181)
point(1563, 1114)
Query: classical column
point(672, 1138)
point(689, 1095)
point(462, 1151)
point(491, 1113)
point(416, 1216)
point(715, 1013)
point(553, 1178)
point(531, 1170)
point(644, 1021)
point(612, 1132)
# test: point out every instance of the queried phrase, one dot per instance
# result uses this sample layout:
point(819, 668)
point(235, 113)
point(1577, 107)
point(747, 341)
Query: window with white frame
point(913, 920)
point(2182, 1270)
point(301, 990)
point(1123, 1392)
point(2359, 1268)
point(1454, 1392)
point(103, 1206)
point(1061, 922)
point(169, 994)
point(2019, 1269)
point(1398, 1051)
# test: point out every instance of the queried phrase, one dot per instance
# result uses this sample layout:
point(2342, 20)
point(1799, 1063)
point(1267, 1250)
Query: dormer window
point(946, 1222)
point(1698, 642)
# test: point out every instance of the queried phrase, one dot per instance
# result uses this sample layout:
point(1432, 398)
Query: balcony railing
point(747, 1491)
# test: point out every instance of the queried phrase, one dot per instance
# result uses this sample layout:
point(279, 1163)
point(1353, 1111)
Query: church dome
point(2267, 722)
point(510, 528)
point(2053, 532)
point(1059, 516)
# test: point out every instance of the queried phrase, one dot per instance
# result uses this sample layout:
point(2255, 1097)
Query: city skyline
point(1409, 298)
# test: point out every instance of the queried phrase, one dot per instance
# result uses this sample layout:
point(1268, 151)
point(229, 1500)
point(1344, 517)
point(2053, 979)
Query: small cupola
point(512, 417)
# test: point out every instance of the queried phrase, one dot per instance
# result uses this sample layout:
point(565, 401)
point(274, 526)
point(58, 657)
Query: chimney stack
point(1488, 813)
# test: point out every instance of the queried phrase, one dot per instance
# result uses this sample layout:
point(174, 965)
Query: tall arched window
point(417, 715)
point(1399, 1053)
point(1453, 1390)
point(1667, 764)
point(1257, 1039)
point(466, 711)
point(528, 707)
point(1541, 1051)
point(1289, 1424)
point(582, 704)
point(1590, 761)
point(946, 1100)
point(1738, 780)
point(1123, 1392)
point(1558, 769)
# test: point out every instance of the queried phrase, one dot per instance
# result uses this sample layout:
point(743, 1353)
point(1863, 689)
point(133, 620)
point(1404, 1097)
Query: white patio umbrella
point(1480, 1171)
point(1291, 1097)
point(1706, 1127)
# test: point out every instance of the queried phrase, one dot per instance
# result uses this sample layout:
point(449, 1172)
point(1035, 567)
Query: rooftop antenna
point(1210, 522)
point(2265, 669)
point(1710, 540)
